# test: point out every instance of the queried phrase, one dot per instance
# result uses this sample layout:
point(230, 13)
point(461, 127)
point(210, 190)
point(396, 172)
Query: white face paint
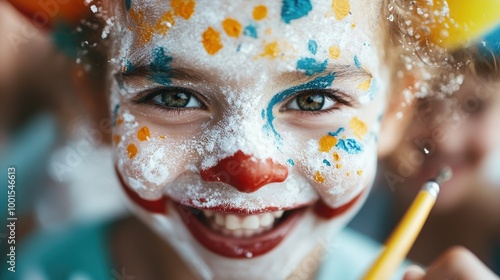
point(245, 110)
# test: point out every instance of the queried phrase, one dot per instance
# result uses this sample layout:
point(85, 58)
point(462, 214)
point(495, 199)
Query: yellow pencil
point(402, 238)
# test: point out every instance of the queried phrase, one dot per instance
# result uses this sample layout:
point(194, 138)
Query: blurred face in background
point(240, 135)
point(460, 131)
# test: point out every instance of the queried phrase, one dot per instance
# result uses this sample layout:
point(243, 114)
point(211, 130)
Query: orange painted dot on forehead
point(259, 12)
point(183, 8)
point(341, 8)
point(211, 41)
point(145, 30)
point(232, 27)
point(334, 52)
point(164, 24)
point(271, 50)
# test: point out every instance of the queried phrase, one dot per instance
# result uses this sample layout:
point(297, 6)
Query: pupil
point(177, 99)
point(311, 102)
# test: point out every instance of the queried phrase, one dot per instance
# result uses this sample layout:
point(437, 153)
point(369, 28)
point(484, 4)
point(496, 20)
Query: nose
point(245, 172)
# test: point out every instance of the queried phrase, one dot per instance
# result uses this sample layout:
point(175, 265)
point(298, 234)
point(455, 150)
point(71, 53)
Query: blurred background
point(55, 130)
point(54, 124)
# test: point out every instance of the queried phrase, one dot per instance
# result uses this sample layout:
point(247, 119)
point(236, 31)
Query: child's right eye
point(177, 100)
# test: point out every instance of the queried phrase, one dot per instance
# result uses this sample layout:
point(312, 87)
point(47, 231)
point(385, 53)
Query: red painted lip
point(233, 247)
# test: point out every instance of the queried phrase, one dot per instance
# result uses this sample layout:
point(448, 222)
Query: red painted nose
point(246, 173)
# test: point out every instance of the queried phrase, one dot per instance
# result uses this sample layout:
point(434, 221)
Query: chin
point(227, 242)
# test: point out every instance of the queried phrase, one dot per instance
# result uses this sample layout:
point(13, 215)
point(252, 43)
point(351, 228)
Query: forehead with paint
point(263, 115)
point(271, 37)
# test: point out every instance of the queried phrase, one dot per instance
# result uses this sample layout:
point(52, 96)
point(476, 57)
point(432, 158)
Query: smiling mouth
point(236, 235)
point(235, 232)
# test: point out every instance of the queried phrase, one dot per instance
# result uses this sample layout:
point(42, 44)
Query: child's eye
point(311, 102)
point(176, 99)
point(171, 99)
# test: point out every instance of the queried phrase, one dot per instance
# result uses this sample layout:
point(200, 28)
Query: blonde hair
point(412, 28)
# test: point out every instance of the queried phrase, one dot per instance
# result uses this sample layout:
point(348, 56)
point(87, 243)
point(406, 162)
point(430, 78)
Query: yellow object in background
point(454, 23)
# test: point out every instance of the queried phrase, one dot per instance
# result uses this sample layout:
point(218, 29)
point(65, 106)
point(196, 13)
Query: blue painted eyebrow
point(321, 82)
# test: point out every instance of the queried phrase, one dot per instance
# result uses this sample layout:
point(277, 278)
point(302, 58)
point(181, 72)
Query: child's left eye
point(313, 101)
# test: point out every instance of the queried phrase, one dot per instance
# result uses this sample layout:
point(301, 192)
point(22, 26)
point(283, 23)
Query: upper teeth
point(233, 222)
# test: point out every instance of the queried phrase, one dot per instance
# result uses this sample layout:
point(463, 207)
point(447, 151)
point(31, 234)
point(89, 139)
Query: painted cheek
point(339, 163)
point(155, 206)
point(143, 164)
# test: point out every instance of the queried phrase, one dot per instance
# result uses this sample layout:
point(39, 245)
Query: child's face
point(459, 131)
point(246, 110)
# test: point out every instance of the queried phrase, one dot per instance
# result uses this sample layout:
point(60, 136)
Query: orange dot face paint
point(183, 8)
point(116, 139)
point(132, 151)
point(318, 177)
point(326, 143)
point(232, 27)
point(259, 12)
point(271, 50)
point(336, 156)
point(341, 8)
point(143, 134)
point(334, 52)
point(165, 23)
point(211, 41)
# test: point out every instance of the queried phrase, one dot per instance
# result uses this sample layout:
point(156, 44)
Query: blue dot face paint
point(356, 61)
point(312, 46)
point(203, 84)
point(250, 31)
point(295, 9)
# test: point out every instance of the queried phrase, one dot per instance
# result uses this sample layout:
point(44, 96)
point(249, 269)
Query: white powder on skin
point(154, 169)
point(136, 185)
point(191, 189)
